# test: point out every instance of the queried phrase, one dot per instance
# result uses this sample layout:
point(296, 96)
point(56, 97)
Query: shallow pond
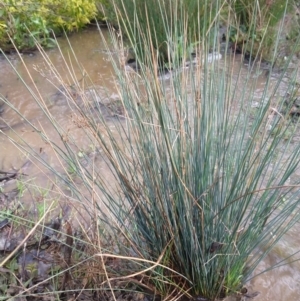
point(277, 285)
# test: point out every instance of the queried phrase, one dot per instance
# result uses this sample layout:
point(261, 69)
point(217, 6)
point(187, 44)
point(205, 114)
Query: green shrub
point(42, 17)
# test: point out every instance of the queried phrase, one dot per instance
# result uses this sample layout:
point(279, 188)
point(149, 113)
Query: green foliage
point(253, 23)
point(256, 24)
point(162, 21)
point(193, 182)
point(40, 18)
point(200, 191)
point(265, 12)
point(201, 180)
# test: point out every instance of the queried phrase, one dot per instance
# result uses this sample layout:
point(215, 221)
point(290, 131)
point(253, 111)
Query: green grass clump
point(202, 180)
point(200, 193)
point(269, 13)
point(154, 17)
point(256, 24)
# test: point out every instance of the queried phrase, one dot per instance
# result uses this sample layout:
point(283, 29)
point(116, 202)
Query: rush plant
point(200, 193)
point(161, 20)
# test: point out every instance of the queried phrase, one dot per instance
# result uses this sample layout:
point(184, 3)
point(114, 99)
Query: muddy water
point(45, 85)
point(280, 284)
